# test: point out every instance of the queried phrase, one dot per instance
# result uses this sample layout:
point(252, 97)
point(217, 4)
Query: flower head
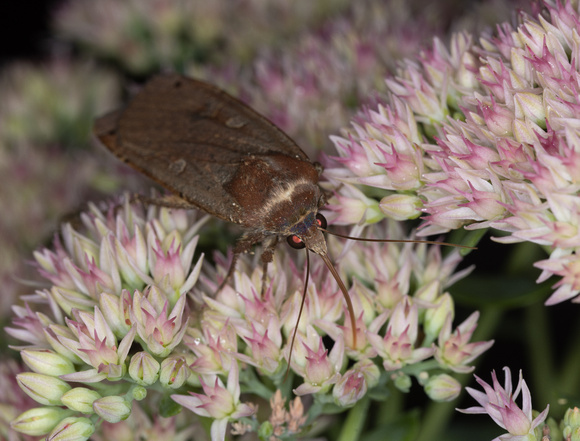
point(499, 403)
point(454, 350)
point(355, 382)
point(483, 135)
point(319, 368)
point(397, 348)
point(282, 421)
point(95, 319)
point(218, 402)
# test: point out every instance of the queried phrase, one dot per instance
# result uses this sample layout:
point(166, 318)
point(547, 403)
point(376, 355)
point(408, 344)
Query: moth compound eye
point(321, 221)
point(295, 242)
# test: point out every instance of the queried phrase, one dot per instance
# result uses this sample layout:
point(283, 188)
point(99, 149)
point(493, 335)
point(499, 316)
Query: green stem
point(250, 383)
point(488, 323)
point(390, 409)
point(355, 421)
point(434, 421)
point(568, 378)
point(438, 415)
point(540, 352)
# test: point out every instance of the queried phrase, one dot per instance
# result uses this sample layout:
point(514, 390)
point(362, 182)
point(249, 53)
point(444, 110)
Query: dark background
point(24, 28)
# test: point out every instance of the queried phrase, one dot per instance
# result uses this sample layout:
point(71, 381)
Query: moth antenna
point(429, 242)
point(299, 313)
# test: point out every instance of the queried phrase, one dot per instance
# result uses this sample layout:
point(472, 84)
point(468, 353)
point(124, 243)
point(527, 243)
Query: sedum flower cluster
point(341, 64)
point(45, 120)
point(132, 315)
point(53, 104)
point(312, 88)
point(479, 136)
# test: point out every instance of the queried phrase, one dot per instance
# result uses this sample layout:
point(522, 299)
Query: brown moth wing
point(192, 137)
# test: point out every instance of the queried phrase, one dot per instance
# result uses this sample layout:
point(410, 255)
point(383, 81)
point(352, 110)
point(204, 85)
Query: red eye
point(321, 221)
point(295, 242)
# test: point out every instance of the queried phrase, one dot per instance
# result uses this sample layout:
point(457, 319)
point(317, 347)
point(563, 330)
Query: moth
point(216, 154)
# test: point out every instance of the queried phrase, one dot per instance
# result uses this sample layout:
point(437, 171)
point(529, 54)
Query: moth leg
point(318, 167)
point(267, 257)
point(230, 272)
point(243, 245)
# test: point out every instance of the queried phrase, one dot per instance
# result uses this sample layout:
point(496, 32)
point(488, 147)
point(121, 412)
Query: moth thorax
point(292, 208)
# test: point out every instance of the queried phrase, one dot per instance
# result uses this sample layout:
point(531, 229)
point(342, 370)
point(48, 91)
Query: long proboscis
point(345, 294)
point(428, 242)
point(299, 313)
point(341, 284)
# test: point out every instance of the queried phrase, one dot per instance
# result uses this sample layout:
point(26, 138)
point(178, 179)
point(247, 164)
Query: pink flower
point(397, 347)
point(218, 402)
point(215, 348)
point(351, 206)
point(264, 344)
point(454, 350)
point(355, 382)
point(484, 135)
point(313, 362)
point(499, 403)
point(92, 340)
point(159, 329)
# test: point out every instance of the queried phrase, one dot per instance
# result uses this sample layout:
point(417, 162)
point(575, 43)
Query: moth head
point(308, 234)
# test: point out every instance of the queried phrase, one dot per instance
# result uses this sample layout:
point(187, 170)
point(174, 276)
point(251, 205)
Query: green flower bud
point(47, 362)
point(80, 399)
point(401, 206)
point(40, 420)
point(174, 372)
point(72, 429)
point(571, 433)
point(403, 382)
point(442, 388)
point(265, 431)
point(43, 389)
point(435, 317)
point(138, 393)
point(144, 369)
point(572, 417)
point(112, 408)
